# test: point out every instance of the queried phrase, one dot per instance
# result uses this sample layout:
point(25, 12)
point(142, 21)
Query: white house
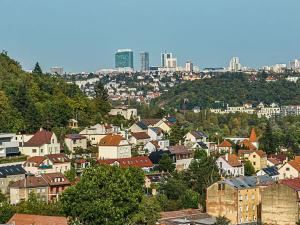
point(9, 145)
point(95, 133)
point(139, 138)
point(194, 137)
point(42, 143)
point(114, 146)
point(74, 141)
point(270, 171)
point(47, 164)
point(290, 170)
point(230, 165)
point(155, 133)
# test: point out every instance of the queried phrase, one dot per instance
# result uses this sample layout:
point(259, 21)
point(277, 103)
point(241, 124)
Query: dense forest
point(29, 101)
point(233, 89)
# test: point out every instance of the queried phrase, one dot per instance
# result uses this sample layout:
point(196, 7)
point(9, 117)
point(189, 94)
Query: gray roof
point(11, 170)
point(248, 182)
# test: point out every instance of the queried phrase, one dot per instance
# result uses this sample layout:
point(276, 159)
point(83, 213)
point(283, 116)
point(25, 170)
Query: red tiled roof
point(247, 144)
point(150, 121)
point(37, 160)
point(139, 161)
point(111, 140)
point(274, 161)
point(261, 153)
point(295, 163)
point(292, 183)
point(140, 135)
point(39, 138)
point(31, 182)
point(224, 144)
point(56, 179)
point(281, 157)
point(155, 143)
point(26, 219)
point(233, 160)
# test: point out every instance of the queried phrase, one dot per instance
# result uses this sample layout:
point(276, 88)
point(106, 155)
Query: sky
point(83, 35)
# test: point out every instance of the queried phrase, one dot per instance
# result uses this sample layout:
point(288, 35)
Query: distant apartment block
point(57, 70)
point(124, 58)
point(9, 145)
point(144, 57)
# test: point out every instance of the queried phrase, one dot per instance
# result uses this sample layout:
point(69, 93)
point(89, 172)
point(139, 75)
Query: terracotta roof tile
point(274, 161)
point(233, 160)
point(253, 137)
point(39, 138)
point(224, 144)
point(26, 219)
point(179, 149)
point(31, 182)
point(292, 183)
point(140, 135)
point(139, 161)
point(295, 163)
point(56, 179)
point(111, 140)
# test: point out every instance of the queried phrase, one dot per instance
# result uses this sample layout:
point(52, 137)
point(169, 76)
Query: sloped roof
point(292, 183)
point(139, 161)
point(198, 134)
point(150, 122)
point(245, 182)
point(281, 157)
point(54, 158)
point(27, 219)
point(261, 153)
point(111, 140)
point(11, 170)
point(274, 161)
point(179, 149)
point(247, 144)
point(51, 179)
point(271, 171)
point(224, 144)
point(39, 138)
point(140, 135)
point(233, 160)
point(155, 143)
point(253, 137)
point(75, 136)
point(31, 182)
point(295, 163)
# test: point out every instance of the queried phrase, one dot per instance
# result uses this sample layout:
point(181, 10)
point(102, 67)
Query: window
point(246, 197)
point(254, 163)
point(254, 156)
point(33, 150)
point(287, 169)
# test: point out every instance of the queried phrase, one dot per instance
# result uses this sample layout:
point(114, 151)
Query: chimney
point(226, 156)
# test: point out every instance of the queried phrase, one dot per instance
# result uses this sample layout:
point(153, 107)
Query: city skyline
point(81, 38)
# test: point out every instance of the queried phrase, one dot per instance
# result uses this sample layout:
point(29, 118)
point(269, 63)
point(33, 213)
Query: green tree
point(106, 195)
point(71, 174)
point(267, 140)
point(176, 134)
point(148, 212)
point(248, 168)
point(37, 69)
point(166, 164)
point(189, 199)
point(222, 220)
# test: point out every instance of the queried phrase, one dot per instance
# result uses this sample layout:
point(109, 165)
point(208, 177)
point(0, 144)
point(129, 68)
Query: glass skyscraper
point(124, 58)
point(144, 57)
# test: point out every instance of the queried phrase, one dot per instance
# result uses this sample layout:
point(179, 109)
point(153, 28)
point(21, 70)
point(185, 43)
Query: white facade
point(229, 170)
point(8, 145)
point(288, 172)
point(126, 113)
point(123, 150)
point(235, 64)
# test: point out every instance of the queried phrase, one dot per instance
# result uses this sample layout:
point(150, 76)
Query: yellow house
point(238, 199)
point(258, 158)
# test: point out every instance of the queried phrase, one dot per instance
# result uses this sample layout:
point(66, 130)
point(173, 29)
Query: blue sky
point(82, 35)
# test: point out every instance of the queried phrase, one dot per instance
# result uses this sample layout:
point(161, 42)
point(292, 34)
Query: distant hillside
point(232, 89)
point(29, 101)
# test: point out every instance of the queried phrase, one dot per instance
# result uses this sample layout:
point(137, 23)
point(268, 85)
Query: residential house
point(57, 183)
point(194, 136)
point(280, 203)
point(47, 187)
point(238, 199)
point(139, 138)
point(47, 164)
point(155, 133)
point(114, 146)
point(10, 174)
point(151, 146)
point(274, 162)
point(269, 171)
point(95, 133)
point(142, 125)
point(258, 158)
point(73, 124)
point(20, 190)
point(28, 219)
point(125, 112)
point(9, 145)
point(225, 147)
point(290, 170)
point(230, 165)
point(42, 143)
point(142, 162)
point(80, 165)
point(74, 141)
point(183, 156)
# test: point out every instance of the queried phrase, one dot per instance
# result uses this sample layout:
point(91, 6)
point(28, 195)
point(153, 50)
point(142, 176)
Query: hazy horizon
point(84, 35)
